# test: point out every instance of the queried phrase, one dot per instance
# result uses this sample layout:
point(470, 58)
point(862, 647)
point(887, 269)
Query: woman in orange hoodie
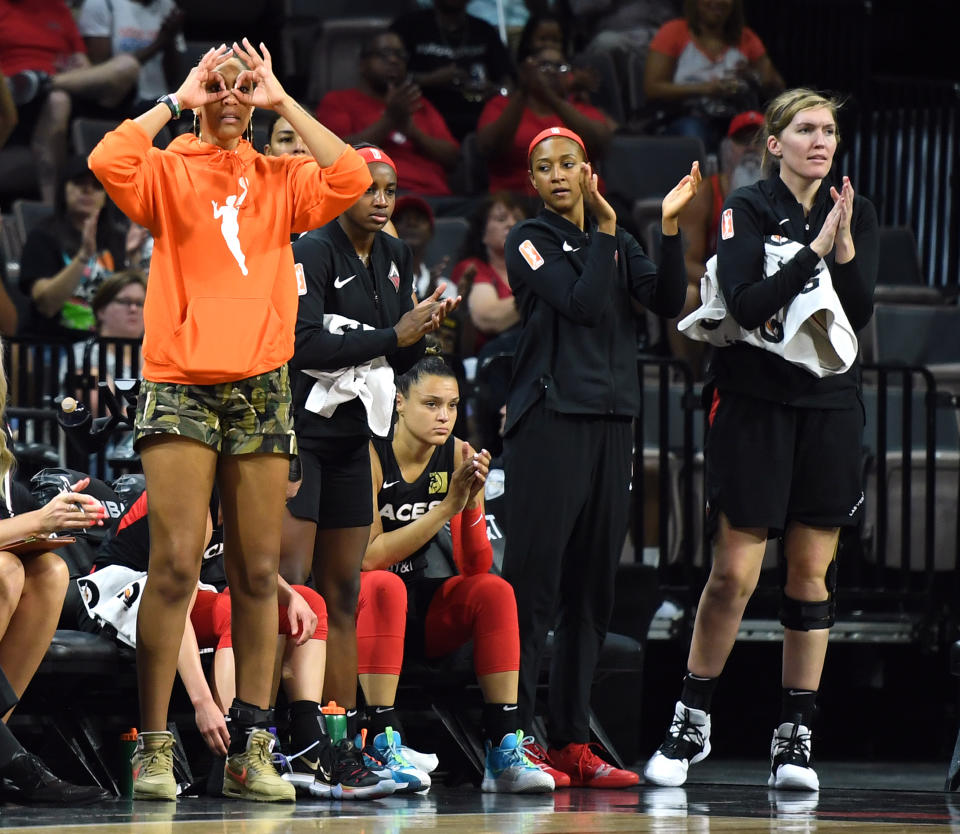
point(215, 398)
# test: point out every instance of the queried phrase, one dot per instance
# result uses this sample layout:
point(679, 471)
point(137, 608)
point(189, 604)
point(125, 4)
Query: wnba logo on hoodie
point(229, 214)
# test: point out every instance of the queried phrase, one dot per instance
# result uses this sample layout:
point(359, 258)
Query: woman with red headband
point(581, 284)
point(356, 325)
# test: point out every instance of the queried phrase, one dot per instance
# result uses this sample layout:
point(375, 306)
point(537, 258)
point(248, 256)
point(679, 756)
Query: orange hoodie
point(222, 296)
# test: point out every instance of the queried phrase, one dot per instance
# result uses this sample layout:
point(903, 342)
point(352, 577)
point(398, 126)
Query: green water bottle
point(336, 721)
point(128, 746)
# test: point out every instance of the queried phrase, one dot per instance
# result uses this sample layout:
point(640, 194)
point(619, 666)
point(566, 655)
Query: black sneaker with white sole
point(350, 778)
point(687, 742)
point(790, 752)
point(310, 770)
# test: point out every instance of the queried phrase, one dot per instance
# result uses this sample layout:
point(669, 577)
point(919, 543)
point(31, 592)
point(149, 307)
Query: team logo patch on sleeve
point(438, 483)
point(301, 279)
point(394, 276)
point(726, 224)
point(531, 255)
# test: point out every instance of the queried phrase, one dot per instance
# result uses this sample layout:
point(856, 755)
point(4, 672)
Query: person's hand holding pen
point(72, 509)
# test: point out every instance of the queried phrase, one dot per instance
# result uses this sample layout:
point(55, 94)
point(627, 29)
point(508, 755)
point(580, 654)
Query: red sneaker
point(587, 770)
point(538, 756)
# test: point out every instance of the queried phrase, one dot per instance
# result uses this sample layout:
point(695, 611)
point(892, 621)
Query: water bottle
point(335, 718)
point(128, 746)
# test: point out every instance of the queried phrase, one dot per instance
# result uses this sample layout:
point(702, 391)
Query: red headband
point(376, 155)
point(554, 131)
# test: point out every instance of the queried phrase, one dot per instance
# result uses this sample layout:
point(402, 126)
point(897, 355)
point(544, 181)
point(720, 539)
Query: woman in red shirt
point(543, 98)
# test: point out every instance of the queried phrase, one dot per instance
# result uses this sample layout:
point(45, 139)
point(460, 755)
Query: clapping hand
point(682, 193)
point(595, 202)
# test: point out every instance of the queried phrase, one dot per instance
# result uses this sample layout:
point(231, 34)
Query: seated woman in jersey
point(33, 584)
point(423, 479)
point(302, 619)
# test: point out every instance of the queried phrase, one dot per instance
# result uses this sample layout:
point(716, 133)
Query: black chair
point(26, 215)
point(448, 236)
point(900, 276)
point(333, 65)
point(639, 170)
point(916, 334)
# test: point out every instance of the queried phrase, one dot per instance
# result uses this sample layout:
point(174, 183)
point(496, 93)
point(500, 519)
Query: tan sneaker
point(152, 764)
point(251, 774)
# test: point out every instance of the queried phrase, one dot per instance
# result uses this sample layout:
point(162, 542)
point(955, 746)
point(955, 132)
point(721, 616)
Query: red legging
point(211, 617)
point(482, 607)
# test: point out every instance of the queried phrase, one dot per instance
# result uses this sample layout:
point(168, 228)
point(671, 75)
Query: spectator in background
point(490, 301)
point(282, 138)
point(413, 219)
point(147, 29)
point(8, 121)
point(8, 111)
point(490, 305)
point(705, 67)
point(64, 261)
point(118, 308)
point(46, 65)
point(740, 164)
point(542, 99)
point(458, 60)
point(387, 110)
point(550, 30)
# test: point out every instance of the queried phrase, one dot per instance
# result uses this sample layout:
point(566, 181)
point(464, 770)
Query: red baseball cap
point(749, 118)
point(410, 201)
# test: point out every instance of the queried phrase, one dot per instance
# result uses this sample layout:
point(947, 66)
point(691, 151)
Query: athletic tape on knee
point(801, 615)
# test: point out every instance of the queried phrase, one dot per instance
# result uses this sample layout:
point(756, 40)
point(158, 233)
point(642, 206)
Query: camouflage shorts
point(248, 416)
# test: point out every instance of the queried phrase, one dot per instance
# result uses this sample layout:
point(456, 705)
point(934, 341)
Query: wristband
point(173, 103)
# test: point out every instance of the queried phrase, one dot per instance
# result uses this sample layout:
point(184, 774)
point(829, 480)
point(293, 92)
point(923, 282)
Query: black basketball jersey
point(129, 545)
point(401, 502)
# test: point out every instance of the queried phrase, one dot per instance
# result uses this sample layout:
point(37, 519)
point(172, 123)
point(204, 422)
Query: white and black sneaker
point(687, 742)
point(790, 759)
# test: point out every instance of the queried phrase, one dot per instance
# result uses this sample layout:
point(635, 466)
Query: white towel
point(112, 597)
point(372, 382)
point(812, 331)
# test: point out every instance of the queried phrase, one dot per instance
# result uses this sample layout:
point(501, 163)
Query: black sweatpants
point(567, 497)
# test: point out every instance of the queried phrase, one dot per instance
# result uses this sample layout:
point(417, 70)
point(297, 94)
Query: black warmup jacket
point(335, 280)
point(576, 292)
point(766, 208)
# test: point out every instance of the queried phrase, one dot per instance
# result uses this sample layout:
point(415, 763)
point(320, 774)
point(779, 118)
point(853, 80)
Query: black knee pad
point(808, 616)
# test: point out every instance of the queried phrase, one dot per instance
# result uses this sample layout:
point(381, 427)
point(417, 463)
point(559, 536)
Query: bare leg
point(379, 689)
point(809, 552)
point(303, 670)
point(49, 143)
point(11, 587)
point(296, 548)
point(336, 573)
point(179, 474)
point(737, 559)
point(252, 495)
point(30, 630)
point(499, 687)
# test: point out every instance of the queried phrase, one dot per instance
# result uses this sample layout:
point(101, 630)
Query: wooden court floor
point(698, 808)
